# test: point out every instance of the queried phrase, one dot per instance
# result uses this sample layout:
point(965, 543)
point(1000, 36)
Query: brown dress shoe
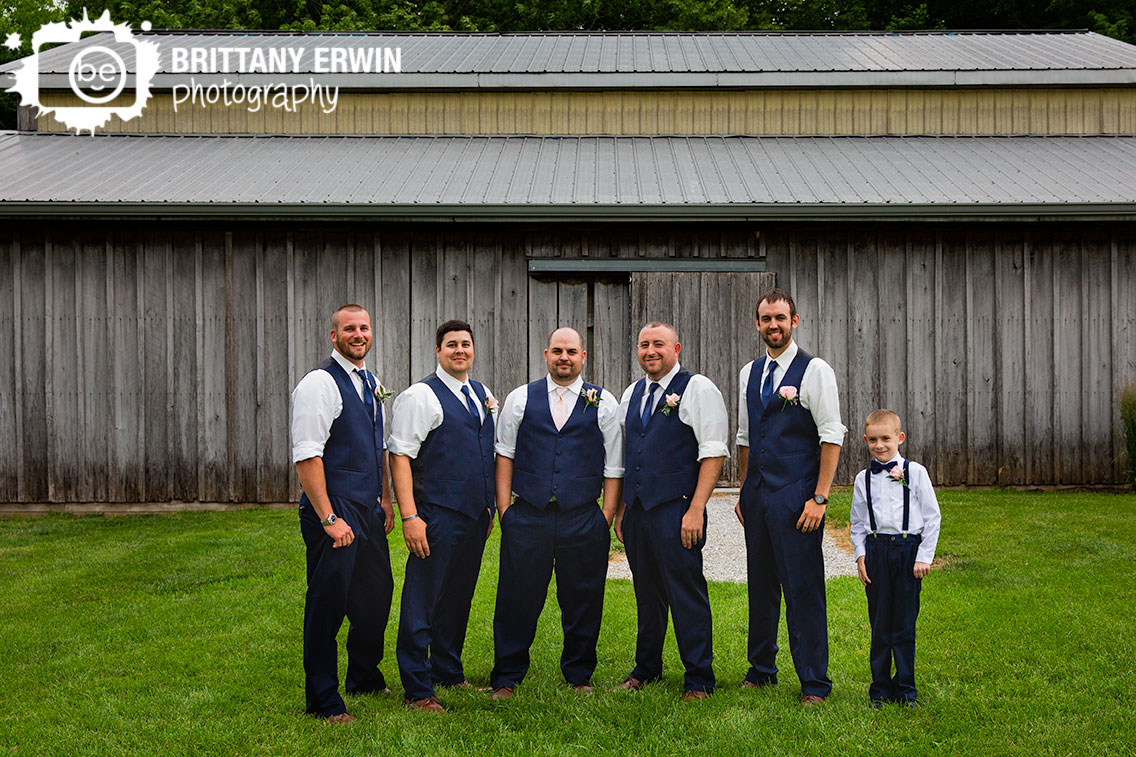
point(584, 688)
point(463, 684)
point(502, 692)
point(808, 700)
point(429, 704)
point(341, 719)
point(695, 696)
point(629, 684)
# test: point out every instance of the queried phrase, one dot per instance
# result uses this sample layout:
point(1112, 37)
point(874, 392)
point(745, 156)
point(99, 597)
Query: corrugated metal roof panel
point(592, 174)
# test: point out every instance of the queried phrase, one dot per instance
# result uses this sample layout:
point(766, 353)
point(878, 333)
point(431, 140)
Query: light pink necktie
point(559, 408)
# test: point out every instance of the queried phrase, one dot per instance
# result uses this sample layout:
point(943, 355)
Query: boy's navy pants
point(893, 605)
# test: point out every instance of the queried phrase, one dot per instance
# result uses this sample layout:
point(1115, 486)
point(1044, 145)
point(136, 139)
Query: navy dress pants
point(353, 582)
point(535, 542)
point(436, 596)
point(668, 575)
point(779, 557)
point(893, 606)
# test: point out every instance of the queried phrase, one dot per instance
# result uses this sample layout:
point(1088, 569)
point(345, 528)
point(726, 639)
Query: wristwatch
point(820, 499)
point(331, 519)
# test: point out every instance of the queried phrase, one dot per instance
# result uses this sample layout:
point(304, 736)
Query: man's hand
point(618, 523)
point(692, 527)
point(738, 512)
point(811, 517)
point(921, 569)
point(388, 515)
point(490, 529)
point(414, 533)
point(340, 533)
point(862, 571)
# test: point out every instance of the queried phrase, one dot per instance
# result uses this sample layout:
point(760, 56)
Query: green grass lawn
point(181, 633)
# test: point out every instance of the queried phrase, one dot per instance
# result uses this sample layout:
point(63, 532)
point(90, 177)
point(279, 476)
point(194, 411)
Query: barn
point(955, 214)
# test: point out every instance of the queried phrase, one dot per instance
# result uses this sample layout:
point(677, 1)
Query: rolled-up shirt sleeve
point(858, 517)
point(508, 420)
point(819, 396)
point(316, 404)
point(703, 409)
point(742, 438)
point(612, 430)
point(929, 507)
point(415, 413)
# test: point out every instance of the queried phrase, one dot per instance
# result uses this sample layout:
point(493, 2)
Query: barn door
point(598, 307)
point(714, 314)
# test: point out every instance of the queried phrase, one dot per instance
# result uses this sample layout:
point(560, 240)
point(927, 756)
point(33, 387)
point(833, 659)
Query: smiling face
point(351, 334)
point(565, 356)
point(883, 440)
point(456, 353)
point(775, 324)
point(658, 349)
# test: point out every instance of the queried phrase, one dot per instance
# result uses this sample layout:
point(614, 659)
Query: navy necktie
point(368, 393)
point(649, 405)
point(472, 405)
point(767, 387)
point(878, 467)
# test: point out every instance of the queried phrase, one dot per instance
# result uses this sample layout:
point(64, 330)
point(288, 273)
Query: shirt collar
point(785, 358)
point(575, 387)
point(454, 385)
point(898, 460)
point(665, 381)
point(344, 363)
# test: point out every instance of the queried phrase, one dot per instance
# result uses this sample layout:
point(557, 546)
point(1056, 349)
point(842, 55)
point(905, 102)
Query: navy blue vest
point(784, 445)
point(566, 464)
point(662, 459)
point(454, 467)
point(351, 469)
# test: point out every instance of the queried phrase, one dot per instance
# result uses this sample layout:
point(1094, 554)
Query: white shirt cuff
point(306, 451)
point(712, 449)
point(613, 472)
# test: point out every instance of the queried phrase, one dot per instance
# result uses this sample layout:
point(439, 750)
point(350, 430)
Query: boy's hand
point(862, 572)
point(921, 569)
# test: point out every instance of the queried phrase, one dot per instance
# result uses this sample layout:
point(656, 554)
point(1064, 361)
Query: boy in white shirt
point(895, 528)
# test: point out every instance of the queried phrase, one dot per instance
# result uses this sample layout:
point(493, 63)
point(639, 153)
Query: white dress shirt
point(887, 503)
point(417, 412)
point(818, 395)
point(701, 407)
point(316, 403)
point(513, 411)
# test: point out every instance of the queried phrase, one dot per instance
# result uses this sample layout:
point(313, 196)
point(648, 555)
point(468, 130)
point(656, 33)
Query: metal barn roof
point(624, 178)
point(651, 59)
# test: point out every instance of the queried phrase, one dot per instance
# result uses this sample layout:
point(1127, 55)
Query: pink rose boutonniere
point(672, 401)
point(490, 404)
point(788, 396)
point(382, 394)
point(897, 474)
point(592, 397)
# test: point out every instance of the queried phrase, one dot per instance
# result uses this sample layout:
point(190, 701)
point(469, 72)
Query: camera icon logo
point(98, 75)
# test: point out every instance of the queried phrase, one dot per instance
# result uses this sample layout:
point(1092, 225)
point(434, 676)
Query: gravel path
point(723, 557)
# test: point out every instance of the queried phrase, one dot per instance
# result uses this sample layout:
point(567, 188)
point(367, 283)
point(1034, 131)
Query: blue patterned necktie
point(368, 393)
point(649, 405)
point(472, 405)
point(767, 387)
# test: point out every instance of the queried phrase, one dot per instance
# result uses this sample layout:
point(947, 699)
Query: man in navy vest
point(345, 515)
point(789, 414)
point(674, 429)
point(558, 444)
point(441, 446)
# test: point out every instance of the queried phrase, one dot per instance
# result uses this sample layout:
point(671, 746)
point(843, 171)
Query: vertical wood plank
point(273, 420)
point(394, 309)
point(1123, 296)
point(424, 272)
point(922, 326)
point(866, 316)
point(93, 366)
point(183, 408)
point(1038, 378)
point(981, 390)
point(893, 337)
point(511, 325)
point(1068, 396)
point(155, 362)
point(951, 356)
point(1097, 391)
point(483, 269)
point(243, 337)
point(611, 348)
point(543, 318)
point(1009, 356)
point(10, 379)
point(35, 344)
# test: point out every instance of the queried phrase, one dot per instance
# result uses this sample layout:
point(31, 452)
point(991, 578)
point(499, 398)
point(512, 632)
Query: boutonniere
point(491, 405)
point(382, 394)
point(671, 403)
point(788, 396)
point(592, 397)
point(897, 474)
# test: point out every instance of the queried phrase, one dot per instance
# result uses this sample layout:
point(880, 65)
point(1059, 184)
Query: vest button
point(558, 451)
point(642, 434)
point(555, 470)
point(637, 467)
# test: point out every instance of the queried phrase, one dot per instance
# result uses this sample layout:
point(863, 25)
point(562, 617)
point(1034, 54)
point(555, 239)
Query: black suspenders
point(906, 499)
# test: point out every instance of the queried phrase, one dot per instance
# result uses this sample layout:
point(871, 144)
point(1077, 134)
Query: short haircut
point(350, 308)
point(566, 328)
point(776, 295)
point(881, 416)
point(447, 327)
point(660, 325)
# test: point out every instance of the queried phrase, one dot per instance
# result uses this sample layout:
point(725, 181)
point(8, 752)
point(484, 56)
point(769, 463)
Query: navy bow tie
point(878, 467)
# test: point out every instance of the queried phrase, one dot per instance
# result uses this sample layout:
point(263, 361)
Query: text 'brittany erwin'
point(542, 459)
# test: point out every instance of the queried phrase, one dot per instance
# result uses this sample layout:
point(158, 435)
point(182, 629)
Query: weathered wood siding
point(154, 362)
point(987, 111)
